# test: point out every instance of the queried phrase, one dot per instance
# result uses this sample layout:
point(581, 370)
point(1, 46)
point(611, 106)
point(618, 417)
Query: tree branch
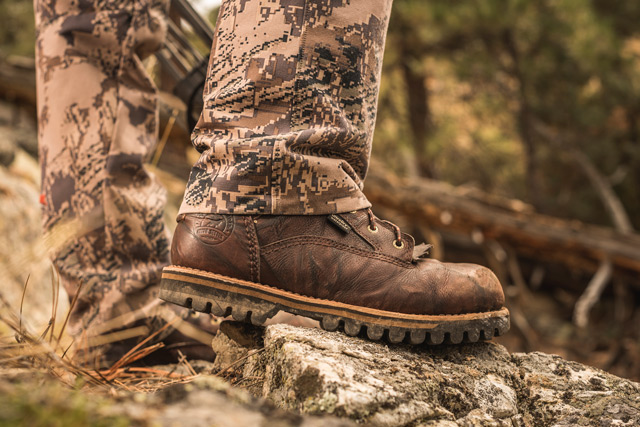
point(591, 295)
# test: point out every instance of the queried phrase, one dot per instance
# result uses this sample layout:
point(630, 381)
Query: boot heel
point(217, 302)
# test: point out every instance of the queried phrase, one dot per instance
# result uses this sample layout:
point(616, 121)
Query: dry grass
point(53, 352)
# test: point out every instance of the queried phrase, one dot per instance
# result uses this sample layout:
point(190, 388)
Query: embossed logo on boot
point(213, 229)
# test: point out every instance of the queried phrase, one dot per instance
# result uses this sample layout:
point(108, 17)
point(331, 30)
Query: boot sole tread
point(255, 303)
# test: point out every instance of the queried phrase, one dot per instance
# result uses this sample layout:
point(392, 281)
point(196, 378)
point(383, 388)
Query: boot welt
point(252, 302)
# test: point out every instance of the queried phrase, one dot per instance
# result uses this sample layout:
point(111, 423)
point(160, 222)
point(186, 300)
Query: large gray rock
point(318, 372)
point(31, 397)
point(209, 401)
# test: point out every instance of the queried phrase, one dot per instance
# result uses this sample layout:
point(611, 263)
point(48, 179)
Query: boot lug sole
point(255, 303)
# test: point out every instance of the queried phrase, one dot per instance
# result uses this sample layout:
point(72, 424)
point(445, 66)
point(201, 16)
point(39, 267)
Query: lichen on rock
point(318, 372)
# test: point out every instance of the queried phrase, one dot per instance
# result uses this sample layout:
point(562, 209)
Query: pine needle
point(55, 290)
point(24, 292)
point(66, 319)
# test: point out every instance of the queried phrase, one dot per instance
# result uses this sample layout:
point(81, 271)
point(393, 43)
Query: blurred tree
point(534, 99)
point(17, 33)
point(537, 99)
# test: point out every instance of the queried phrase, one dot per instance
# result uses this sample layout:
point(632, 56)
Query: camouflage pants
point(103, 212)
point(289, 111)
point(289, 107)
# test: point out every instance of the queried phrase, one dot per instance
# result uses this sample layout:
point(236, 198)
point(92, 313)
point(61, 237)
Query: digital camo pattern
point(97, 125)
point(289, 107)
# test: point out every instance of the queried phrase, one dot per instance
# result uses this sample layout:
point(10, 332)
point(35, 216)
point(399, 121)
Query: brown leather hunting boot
point(348, 271)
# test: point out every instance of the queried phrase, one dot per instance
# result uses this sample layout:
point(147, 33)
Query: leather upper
point(353, 262)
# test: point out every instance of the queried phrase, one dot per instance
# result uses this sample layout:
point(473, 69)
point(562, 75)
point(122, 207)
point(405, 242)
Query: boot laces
point(398, 243)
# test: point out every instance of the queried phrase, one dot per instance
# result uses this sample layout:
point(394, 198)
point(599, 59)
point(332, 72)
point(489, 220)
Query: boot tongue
point(421, 251)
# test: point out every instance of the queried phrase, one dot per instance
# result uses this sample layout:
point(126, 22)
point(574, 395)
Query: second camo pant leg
point(102, 210)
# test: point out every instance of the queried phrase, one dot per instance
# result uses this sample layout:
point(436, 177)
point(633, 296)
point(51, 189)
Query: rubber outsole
point(255, 303)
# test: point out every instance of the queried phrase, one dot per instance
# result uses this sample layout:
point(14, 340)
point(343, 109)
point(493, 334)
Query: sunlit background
point(205, 6)
point(526, 111)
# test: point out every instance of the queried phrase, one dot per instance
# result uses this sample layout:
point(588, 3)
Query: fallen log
point(439, 206)
point(443, 207)
point(18, 80)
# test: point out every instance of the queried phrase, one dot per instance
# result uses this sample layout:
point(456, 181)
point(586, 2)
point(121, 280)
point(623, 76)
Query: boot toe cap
point(472, 289)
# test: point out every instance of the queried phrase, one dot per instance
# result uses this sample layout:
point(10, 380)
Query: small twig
point(24, 292)
point(55, 289)
point(609, 198)
point(52, 322)
point(163, 374)
point(66, 319)
point(519, 319)
point(601, 185)
point(516, 273)
point(121, 384)
point(117, 336)
point(242, 359)
point(165, 137)
point(124, 359)
point(505, 264)
point(43, 335)
point(102, 377)
point(592, 293)
point(67, 349)
point(183, 359)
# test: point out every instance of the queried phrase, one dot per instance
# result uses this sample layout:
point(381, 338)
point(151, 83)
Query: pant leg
point(102, 211)
point(289, 107)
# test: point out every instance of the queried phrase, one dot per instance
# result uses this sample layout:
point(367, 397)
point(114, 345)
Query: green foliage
point(17, 33)
point(41, 401)
point(513, 88)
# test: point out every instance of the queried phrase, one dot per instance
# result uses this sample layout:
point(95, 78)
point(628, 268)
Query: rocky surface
point(318, 372)
point(210, 401)
point(34, 398)
point(330, 378)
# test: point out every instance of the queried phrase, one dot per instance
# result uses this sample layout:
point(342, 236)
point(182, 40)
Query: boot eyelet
point(372, 229)
point(398, 246)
